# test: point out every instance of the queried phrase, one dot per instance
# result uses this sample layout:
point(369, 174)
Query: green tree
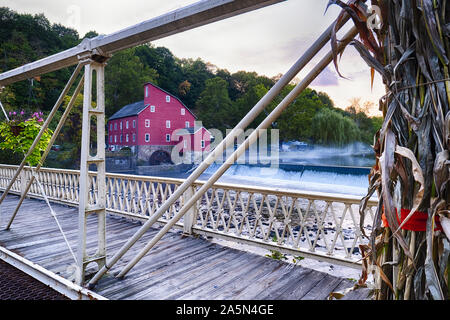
point(331, 128)
point(214, 105)
point(196, 72)
point(165, 63)
point(296, 121)
point(125, 77)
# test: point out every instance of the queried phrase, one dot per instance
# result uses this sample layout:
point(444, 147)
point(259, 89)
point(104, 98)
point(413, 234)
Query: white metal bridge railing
point(313, 225)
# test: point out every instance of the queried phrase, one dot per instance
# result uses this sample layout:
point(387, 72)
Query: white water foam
point(308, 180)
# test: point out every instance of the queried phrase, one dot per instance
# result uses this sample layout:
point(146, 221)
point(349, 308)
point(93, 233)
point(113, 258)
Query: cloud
point(326, 78)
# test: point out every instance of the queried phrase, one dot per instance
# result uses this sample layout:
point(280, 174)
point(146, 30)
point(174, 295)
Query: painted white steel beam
point(189, 17)
point(63, 286)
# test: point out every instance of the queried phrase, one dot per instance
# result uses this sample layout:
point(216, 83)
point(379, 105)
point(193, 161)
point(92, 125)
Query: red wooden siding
point(167, 108)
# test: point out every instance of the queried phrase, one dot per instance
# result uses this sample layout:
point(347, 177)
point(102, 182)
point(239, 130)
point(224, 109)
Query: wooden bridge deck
point(177, 268)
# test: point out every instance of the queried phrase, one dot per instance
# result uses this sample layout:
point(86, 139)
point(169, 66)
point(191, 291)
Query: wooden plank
point(258, 288)
point(157, 282)
point(322, 289)
point(176, 268)
point(209, 272)
point(241, 280)
point(289, 282)
point(152, 263)
point(232, 278)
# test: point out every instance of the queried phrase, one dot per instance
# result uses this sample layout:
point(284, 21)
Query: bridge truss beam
point(186, 18)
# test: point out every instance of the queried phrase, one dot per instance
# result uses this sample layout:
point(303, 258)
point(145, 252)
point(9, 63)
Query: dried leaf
point(385, 278)
point(387, 165)
point(440, 172)
point(370, 60)
point(336, 295)
point(432, 279)
point(372, 75)
point(418, 176)
point(432, 30)
point(445, 223)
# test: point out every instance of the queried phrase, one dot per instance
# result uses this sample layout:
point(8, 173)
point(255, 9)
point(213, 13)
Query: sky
point(268, 41)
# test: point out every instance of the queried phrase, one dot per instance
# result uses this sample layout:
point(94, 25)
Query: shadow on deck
point(177, 268)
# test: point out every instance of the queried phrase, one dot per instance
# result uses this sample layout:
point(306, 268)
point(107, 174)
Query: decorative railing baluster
point(316, 225)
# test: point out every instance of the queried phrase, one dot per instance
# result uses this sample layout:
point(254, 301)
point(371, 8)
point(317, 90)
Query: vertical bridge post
point(191, 215)
point(96, 204)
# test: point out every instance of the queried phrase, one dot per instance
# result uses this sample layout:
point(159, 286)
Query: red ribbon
point(417, 222)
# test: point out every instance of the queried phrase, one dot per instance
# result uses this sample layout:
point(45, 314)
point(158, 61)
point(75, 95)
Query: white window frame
point(167, 137)
point(152, 109)
point(127, 125)
point(134, 124)
point(183, 111)
point(127, 138)
point(146, 92)
point(168, 124)
point(167, 99)
point(121, 126)
point(185, 143)
point(147, 137)
point(187, 124)
point(134, 137)
point(115, 138)
point(147, 123)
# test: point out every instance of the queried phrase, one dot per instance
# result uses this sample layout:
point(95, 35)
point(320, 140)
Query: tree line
point(218, 97)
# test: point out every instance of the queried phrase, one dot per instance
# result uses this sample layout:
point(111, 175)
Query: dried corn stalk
point(408, 43)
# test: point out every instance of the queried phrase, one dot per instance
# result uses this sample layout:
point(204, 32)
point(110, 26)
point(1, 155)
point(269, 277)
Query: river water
point(318, 169)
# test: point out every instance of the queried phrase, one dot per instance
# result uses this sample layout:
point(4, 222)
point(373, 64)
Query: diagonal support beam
point(43, 129)
point(229, 139)
point(47, 150)
point(3, 109)
point(273, 116)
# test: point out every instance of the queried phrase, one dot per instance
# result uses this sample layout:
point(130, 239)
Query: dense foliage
point(18, 135)
point(219, 98)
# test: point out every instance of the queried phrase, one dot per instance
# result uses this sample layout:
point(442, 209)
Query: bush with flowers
point(19, 132)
